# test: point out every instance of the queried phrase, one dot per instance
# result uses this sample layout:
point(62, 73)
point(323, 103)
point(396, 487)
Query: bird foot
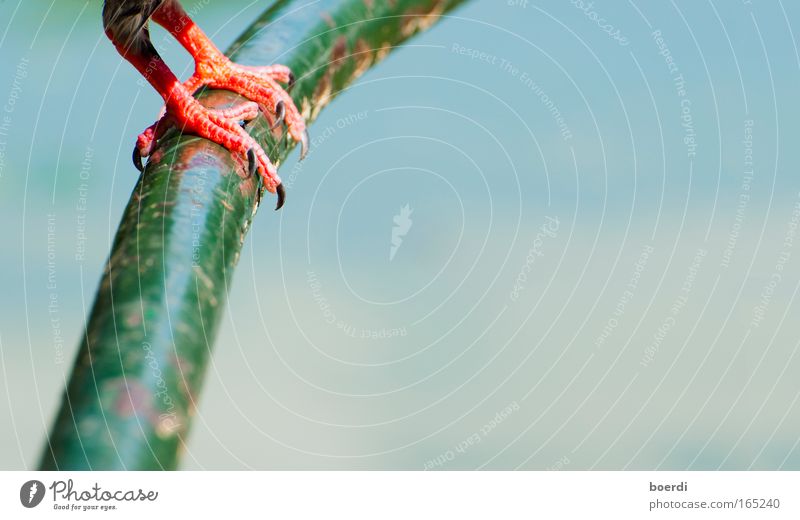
point(225, 127)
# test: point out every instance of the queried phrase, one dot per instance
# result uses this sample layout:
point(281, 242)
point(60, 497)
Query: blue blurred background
point(543, 235)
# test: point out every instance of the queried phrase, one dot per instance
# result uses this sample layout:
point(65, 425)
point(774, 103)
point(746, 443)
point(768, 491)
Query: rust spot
point(322, 94)
point(132, 398)
point(384, 51)
point(324, 89)
point(157, 155)
point(362, 54)
point(338, 53)
point(328, 19)
point(184, 366)
point(134, 319)
point(305, 108)
point(247, 186)
point(418, 18)
point(191, 160)
point(226, 204)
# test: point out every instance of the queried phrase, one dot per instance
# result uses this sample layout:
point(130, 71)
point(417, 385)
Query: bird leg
point(127, 29)
point(214, 69)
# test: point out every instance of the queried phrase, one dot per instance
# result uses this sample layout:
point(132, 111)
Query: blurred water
point(596, 267)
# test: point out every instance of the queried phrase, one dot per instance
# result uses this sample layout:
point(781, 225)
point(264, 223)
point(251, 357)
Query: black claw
point(304, 145)
point(281, 196)
point(137, 159)
point(251, 162)
point(280, 113)
point(290, 85)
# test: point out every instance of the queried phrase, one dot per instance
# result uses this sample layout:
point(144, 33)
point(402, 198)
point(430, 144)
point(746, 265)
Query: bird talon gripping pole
point(140, 365)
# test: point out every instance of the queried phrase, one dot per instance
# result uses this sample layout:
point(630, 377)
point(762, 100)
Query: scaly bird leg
point(214, 69)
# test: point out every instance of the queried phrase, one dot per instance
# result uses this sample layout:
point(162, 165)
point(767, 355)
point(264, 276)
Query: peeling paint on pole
point(138, 375)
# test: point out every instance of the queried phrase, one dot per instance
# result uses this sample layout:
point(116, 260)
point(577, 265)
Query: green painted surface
point(140, 368)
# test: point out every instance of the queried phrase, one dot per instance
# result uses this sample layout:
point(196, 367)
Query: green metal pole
point(140, 368)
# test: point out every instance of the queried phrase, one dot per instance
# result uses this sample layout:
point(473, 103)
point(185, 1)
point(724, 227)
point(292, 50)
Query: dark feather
point(125, 21)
